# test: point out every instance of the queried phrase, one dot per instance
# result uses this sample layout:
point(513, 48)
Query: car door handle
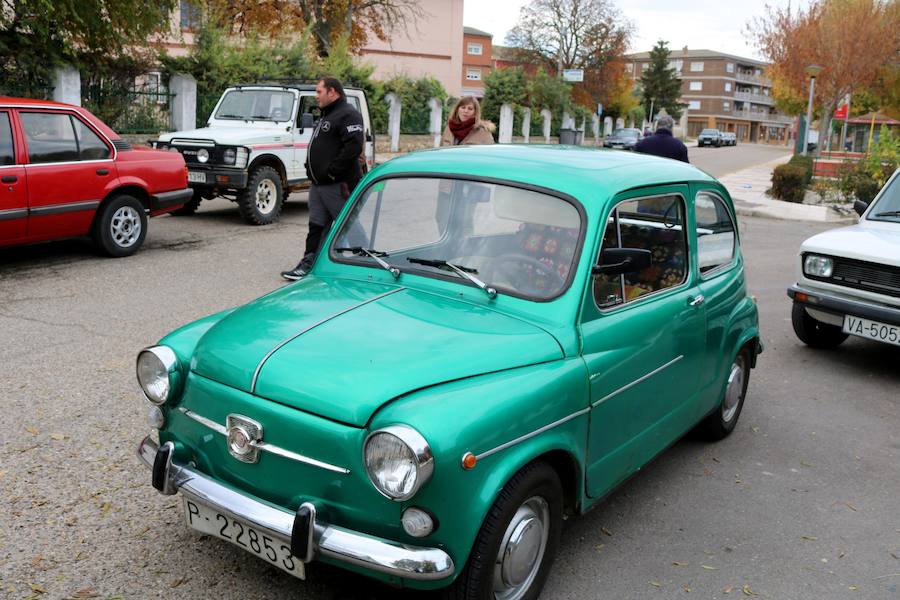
point(696, 301)
point(9, 179)
point(102, 171)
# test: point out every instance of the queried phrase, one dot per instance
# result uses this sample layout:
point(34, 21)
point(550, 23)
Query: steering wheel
point(518, 279)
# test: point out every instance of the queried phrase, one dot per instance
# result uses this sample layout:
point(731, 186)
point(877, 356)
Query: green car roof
point(585, 173)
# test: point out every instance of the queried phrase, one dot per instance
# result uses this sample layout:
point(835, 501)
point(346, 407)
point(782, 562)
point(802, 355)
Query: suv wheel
point(120, 227)
point(813, 332)
point(191, 206)
point(261, 202)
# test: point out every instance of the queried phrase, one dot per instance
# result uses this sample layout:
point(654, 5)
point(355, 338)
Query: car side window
point(50, 137)
point(90, 146)
point(308, 105)
point(655, 224)
point(716, 239)
point(7, 153)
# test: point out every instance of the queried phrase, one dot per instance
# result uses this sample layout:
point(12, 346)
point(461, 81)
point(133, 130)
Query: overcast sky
point(708, 24)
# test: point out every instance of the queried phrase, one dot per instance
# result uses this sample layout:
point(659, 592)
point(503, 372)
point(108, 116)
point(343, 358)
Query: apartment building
point(477, 60)
point(726, 92)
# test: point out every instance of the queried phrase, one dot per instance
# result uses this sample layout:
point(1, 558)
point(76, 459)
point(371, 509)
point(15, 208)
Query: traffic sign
point(575, 75)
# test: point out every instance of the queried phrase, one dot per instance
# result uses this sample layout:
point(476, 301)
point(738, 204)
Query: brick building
point(726, 92)
point(477, 60)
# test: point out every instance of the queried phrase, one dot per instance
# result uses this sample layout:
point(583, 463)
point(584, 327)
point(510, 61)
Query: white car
point(253, 147)
point(849, 278)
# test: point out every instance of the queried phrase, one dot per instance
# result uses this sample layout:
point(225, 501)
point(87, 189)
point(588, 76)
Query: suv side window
point(716, 239)
point(7, 154)
point(655, 224)
point(308, 105)
point(90, 146)
point(50, 137)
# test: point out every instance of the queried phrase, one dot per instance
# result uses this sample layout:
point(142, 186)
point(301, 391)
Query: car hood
point(238, 136)
point(869, 242)
point(341, 349)
point(622, 139)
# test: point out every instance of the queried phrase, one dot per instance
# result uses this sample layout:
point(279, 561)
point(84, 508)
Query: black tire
point(120, 227)
point(720, 423)
point(260, 203)
point(536, 480)
point(190, 207)
point(815, 333)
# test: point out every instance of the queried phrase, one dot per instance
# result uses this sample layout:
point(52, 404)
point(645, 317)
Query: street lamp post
point(813, 72)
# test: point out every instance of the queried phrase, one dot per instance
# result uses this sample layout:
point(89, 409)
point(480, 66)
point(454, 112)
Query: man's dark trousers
point(325, 203)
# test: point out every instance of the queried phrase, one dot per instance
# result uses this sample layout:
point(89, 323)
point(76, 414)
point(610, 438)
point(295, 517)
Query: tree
point(852, 39)
point(36, 35)
point(660, 85)
point(327, 20)
point(503, 86)
point(575, 34)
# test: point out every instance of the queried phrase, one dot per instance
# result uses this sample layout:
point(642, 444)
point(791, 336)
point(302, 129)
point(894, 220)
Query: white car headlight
point(158, 374)
point(203, 155)
point(398, 461)
point(818, 266)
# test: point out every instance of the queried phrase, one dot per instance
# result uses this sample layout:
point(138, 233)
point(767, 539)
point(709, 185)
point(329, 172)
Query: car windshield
point(626, 133)
point(256, 105)
point(710, 131)
point(520, 242)
point(887, 208)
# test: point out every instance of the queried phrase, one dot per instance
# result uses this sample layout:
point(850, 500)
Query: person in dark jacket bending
point(332, 165)
point(662, 143)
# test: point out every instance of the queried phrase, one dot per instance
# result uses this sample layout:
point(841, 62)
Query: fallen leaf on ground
point(87, 592)
point(686, 588)
point(58, 436)
point(803, 463)
point(31, 430)
point(176, 582)
point(728, 589)
point(655, 584)
point(36, 588)
point(679, 564)
point(709, 568)
point(748, 592)
point(104, 508)
point(851, 507)
point(894, 555)
point(852, 588)
point(606, 531)
point(811, 538)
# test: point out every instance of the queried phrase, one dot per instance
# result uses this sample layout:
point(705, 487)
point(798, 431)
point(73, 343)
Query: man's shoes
point(294, 274)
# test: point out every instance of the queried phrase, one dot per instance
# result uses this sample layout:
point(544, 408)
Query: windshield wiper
point(459, 270)
point(373, 254)
point(889, 213)
point(231, 117)
point(261, 118)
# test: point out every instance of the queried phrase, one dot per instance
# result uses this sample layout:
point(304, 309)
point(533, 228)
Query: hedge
point(788, 182)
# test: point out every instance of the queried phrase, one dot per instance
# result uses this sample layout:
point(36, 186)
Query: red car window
point(90, 146)
point(7, 155)
point(50, 137)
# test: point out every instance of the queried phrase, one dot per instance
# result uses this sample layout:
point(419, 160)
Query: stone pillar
point(67, 85)
point(620, 123)
point(526, 124)
point(183, 105)
point(683, 123)
point(595, 128)
point(436, 120)
point(393, 120)
point(567, 122)
point(583, 130)
point(546, 118)
point(607, 126)
point(506, 124)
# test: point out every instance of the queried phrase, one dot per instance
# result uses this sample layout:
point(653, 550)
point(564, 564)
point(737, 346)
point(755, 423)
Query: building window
point(694, 105)
point(729, 67)
point(474, 48)
point(696, 66)
point(473, 74)
point(676, 64)
point(190, 15)
point(727, 86)
point(629, 68)
point(726, 106)
point(696, 86)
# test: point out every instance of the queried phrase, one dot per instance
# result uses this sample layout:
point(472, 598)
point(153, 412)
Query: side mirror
point(616, 261)
point(306, 121)
point(860, 207)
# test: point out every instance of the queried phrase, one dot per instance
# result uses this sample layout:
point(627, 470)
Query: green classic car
point(493, 337)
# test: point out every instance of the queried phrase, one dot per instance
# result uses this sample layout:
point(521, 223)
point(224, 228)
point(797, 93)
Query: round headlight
point(157, 372)
point(229, 155)
point(818, 266)
point(398, 461)
point(203, 155)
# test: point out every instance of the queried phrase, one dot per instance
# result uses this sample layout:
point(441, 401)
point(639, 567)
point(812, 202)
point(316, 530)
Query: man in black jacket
point(332, 165)
point(662, 143)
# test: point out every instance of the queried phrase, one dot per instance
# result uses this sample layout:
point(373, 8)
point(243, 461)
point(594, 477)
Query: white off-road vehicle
point(253, 147)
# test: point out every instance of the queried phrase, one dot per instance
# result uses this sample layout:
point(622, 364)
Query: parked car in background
point(729, 138)
point(253, 147)
point(848, 279)
point(540, 322)
point(64, 173)
point(710, 137)
point(623, 139)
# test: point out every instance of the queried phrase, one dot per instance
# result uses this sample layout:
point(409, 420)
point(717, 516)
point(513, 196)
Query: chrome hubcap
point(522, 549)
point(125, 226)
point(266, 196)
point(734, 390)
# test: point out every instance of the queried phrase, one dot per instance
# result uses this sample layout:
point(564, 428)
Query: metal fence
point(40, 92)
point(139, 110)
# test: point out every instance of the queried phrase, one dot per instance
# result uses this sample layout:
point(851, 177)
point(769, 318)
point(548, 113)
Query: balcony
point(750, 78)
point(757, 98)
point(752, 115)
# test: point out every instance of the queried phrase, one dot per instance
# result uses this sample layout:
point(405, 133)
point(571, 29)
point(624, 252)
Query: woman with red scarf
point(465, 125)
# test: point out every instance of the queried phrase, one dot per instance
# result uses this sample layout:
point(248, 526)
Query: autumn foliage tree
point(852, 39)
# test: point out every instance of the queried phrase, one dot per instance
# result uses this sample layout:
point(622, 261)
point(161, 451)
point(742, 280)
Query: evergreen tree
point(660, 84)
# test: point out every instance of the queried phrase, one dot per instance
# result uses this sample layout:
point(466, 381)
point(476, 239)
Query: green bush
point(788, 182)
point(806, 162)
point(855, 183)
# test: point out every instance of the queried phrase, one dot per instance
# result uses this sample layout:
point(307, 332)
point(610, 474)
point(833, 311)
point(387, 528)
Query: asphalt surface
point(800, 502)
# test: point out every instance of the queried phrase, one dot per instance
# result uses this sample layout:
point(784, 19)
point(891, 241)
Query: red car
point(64, 173)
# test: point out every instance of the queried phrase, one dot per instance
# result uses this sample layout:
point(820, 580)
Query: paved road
point(727, 159)
point(801, 502)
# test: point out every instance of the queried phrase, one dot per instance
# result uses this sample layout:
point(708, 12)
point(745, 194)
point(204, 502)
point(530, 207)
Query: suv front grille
point(872, 277)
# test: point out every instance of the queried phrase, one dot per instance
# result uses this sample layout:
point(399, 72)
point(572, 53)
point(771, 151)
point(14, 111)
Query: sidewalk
point(748, 190)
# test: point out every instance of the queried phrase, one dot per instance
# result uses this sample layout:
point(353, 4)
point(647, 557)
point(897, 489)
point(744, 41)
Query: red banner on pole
point(841, 112)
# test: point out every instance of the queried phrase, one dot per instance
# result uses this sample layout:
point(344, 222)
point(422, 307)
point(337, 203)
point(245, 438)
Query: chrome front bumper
point(384, 556)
